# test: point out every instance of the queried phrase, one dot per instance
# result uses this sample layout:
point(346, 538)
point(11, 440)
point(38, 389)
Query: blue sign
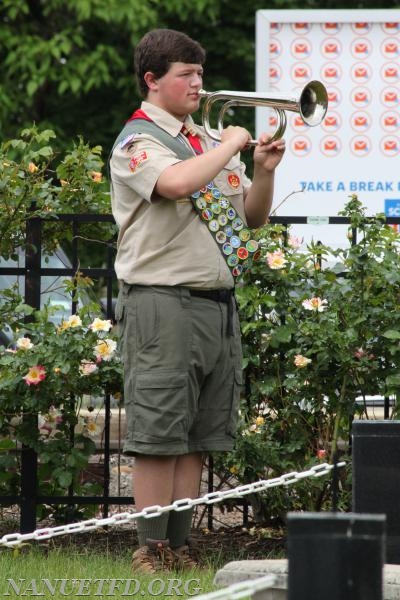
point(392, 207)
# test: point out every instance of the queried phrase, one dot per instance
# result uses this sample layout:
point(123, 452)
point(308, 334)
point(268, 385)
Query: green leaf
point(391, 334)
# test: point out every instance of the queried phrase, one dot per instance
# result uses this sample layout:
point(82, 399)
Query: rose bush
point(321, 332)
point(51, 366)
point(44, 377)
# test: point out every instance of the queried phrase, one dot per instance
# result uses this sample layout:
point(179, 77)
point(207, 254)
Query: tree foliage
point(67, 65)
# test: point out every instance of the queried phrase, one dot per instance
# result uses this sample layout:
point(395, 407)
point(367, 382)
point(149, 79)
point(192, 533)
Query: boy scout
point(184, 207)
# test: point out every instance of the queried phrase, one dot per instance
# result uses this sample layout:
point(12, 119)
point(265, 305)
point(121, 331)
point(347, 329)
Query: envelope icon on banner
point(301, 25)
point(273, 48)
point(300, 48)
point(361, 25)
point(330, 121)
point(360, 96)
point(390, 121)
point(298, 122)
point(360, 121)
point(391, 26)
point(390, 145)
point(330, 72)
point(332, 97)
point(391, 72)
point(391, 48)
point(300, 145)
point(331, 26)
point(301, 72)
point(273, 121)
point(361, 48)
point(360, 145)
point(273, 73)
point(361, 72)
point(330, 145)
point(329, 48)
point(390, 97)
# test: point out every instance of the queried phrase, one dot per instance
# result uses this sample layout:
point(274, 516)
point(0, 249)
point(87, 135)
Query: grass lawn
point(32, 572)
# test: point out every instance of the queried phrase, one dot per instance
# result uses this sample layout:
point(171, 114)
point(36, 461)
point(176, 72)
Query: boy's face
point(177, 91)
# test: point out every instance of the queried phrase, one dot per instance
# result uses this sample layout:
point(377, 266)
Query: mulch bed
point(213, 548)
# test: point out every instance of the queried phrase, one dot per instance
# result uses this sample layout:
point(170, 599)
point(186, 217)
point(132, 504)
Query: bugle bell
point(311, 103)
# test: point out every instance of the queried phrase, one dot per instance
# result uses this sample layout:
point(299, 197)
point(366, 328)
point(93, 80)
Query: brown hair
point(160, 47)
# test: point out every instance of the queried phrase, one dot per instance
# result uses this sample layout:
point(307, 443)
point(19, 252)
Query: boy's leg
point(153, 480)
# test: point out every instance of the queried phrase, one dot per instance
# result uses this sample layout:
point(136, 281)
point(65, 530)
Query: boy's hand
point(268, 154)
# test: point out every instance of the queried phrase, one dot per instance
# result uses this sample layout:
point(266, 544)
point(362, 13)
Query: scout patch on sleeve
point(137, 160)
point(233, 180)
point(127, 142)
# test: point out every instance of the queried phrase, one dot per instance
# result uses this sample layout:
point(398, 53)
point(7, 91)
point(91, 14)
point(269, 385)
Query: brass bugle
point(311, 103)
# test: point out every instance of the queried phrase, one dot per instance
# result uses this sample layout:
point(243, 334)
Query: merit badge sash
point(227, 228)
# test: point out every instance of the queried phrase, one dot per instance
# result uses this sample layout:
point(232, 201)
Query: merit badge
point(237, 224)
point(220, 236)
point(195, 194)
point(207, 214)
point(232, 260)
point(236, 271)
point(244, 235)
point(203, 190)
point(228, 230)
point(242, 253)
point(213, 225)
point(215, 208)
point(201, 204)
point(224, 203)
point(231, 213)
point(137, 160)
point(235, 241)
point(210, 185)
point(227, 249)
point(208, 196)
point(216, 193)
point(223, 219)
point(233, 180)
point(252, 245)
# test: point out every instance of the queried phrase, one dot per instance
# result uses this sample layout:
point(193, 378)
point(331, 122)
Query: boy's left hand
point(268, 154)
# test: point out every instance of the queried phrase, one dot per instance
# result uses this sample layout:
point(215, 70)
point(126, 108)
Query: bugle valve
point(311, 103)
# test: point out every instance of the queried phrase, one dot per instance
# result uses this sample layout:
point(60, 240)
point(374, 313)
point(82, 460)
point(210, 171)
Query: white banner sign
point(356, 148)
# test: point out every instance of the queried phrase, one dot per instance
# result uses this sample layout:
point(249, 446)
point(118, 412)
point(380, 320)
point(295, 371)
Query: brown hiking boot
point(156, 556)
point(183, 559)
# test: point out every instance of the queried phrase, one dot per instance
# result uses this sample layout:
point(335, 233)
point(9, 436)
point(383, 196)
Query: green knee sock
point(179, 527)
point(154, 528)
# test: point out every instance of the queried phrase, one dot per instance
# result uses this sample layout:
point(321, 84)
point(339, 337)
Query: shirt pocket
point(229, 180)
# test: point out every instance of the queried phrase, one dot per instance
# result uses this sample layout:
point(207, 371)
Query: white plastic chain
point(13, 539)
point(242, 589)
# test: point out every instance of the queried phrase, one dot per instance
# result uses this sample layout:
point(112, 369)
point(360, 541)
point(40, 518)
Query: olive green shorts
point(182, 370)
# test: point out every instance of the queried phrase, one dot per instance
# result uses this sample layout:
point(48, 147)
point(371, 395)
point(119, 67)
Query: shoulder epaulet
point(144, 126)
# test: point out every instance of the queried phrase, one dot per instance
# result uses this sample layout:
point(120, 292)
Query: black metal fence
point(33, 271)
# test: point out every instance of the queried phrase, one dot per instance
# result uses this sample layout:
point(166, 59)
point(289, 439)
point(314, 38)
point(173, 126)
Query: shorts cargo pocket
point(231, 425)
point(159, 407)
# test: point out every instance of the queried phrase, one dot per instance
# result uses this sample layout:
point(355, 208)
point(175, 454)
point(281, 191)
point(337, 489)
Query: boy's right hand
point(239, 137)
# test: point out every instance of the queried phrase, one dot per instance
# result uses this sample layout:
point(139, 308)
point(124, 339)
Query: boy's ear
point(150, 80)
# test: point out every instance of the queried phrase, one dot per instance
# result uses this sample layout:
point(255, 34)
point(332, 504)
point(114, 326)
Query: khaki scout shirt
point(162, 241)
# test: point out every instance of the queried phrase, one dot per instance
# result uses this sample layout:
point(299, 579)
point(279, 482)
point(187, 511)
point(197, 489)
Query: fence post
point(335, 556)
point(376, 476)
point(28, 455)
